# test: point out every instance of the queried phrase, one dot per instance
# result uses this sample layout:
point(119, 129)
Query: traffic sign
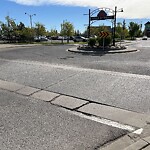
point(103, 34)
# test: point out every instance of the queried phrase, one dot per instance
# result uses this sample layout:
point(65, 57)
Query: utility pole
point(30, 16)
point(114, 26)
point(115, 14)
point(89, 26)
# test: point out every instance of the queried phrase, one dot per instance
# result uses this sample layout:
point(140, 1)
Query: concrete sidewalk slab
point(69, 102)
point(137, 145)
point(27, 90)
point(45, 95)
point(10, 86)
point(119, 115)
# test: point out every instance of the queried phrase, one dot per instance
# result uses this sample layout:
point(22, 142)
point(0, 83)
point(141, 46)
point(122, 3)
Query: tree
point(28, 34)
point(67, 29)
point(20, 28)
point(134, 30)
point(121, 31)
point(77, 33)
point(40, 29)
point(9, 29)
point(53, 32)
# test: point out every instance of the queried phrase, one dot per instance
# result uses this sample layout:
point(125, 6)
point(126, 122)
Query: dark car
point(40, 39)
point(79, 39)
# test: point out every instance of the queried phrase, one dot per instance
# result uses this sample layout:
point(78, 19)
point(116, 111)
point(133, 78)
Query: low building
point(147, 29)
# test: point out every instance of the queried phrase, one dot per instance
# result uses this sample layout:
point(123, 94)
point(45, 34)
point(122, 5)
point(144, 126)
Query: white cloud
point(132, 8)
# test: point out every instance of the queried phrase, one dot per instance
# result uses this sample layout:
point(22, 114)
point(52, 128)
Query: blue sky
point(51, 13)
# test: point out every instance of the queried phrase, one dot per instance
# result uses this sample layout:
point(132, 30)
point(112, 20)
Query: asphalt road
point(30, 124)
point(136, 62)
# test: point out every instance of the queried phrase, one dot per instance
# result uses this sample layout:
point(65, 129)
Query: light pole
point(30, 16)
point(89, 23)
point(115, 14)
point(89, 26)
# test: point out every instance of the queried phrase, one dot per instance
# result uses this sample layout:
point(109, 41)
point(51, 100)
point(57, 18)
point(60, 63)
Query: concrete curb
point(75, 50)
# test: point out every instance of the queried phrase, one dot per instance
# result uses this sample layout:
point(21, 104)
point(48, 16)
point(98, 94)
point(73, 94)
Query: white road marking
point(75, 68)
point(104, 121)
point(139, 131)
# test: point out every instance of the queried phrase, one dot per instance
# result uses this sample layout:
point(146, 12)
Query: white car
point(144, 38)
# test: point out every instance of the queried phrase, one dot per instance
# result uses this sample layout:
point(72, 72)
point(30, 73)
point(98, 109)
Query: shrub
point(92, 42)
point(107, 41)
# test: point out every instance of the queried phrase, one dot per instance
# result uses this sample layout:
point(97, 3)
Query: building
point(147, 29)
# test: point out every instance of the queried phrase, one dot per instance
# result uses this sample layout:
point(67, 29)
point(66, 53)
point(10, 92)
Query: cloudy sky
point(73, 10)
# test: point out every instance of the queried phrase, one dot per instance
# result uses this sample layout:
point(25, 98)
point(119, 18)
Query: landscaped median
point(96, 50)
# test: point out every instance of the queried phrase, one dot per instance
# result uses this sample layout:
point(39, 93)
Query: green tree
point(77, 33)
point(119, 30)
point(40, 29)
point(134, 30)
point(53, 32)
point(67, 29)
point(28, 34)
point(9, 29)
point(20, 28)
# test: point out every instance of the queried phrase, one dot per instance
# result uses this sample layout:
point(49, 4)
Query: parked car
point(144, 38)
point(40, 39)
point(60, 38)
point(54, 38)
point(79, 39)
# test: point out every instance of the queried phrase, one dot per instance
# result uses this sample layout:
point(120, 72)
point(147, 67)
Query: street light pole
point(114, 26)
point(115, 14)
point(30, 16)
point(89, 26)
point(89, 23)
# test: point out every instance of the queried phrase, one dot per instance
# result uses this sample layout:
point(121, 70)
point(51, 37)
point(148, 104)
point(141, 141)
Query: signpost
point(103, 35)
point(103, 14)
